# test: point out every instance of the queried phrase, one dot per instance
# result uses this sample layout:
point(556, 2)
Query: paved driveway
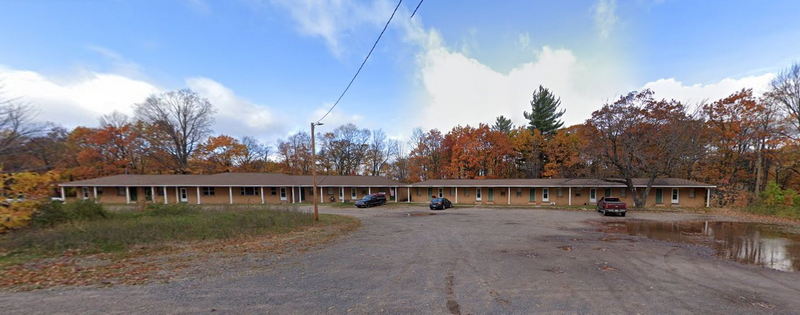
point(460, 261)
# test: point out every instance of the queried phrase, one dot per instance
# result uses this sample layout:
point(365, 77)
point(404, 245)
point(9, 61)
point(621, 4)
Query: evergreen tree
point(503, 124)
point(545, 114)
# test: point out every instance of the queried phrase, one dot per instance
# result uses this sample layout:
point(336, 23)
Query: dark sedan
point(440, 204)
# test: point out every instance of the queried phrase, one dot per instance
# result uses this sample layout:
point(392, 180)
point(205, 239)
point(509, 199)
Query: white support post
point(166, 198)
point(321, 199)
point(262, 195)
point(408, 191)
point(63, 194)
point(341, 194)
point(708, 197)
point(153, 194)
point(198, 194)
point(456, 194)
point(509, 195)
point(292, 189)
point(230, 194)
point(177, 195)
point(396, 194)
point(95, 192)
point(369, 190)
point(569, 198)
point(127, 194)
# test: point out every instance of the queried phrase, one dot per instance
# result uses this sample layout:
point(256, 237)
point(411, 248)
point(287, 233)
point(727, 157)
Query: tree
point(545, 115)
point(503, 124)
point(427, 156)
point(16, 125)
point(786, 92)
point(178, 122)
point(640, 137)
point(380, 151)
point(220, 154)
point(295, 154)
point(344, 149)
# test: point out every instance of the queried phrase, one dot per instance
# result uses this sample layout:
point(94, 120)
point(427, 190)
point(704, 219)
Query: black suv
point(371, 200)
point(440, 204)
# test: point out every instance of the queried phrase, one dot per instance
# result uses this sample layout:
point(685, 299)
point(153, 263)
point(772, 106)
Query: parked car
point(611, 205)
point(440, 204)
point(371, 201)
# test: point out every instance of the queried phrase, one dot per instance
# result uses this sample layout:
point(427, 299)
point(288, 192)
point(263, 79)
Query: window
point(85, 192)
point(208, 191)
point(477, 194)
point(545, 194)
point(519, 192)
point(592, 195)
point(691, 193)
point(353, 193)
point(675, 195)
point(607, 192)
point(418, 193)
point(490, 192)
point(430, 191)
point(249, 191)
point(148, 194)
point(532, 195)
point(283, 193)
point(452, 191)
point(134, 193)
point(559, 193)
point(120, 191)
point(623, 192)
point(330, 190)
point(659, 196)
point(99, 191)
point(341, 193)
point(441, 192)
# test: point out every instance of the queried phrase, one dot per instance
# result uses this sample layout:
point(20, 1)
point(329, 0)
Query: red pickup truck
point(611, 205)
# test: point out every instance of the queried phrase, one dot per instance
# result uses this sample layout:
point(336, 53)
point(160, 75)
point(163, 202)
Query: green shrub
point(85, 210)
point(777, 201)
point(170, 209)
point(50, 214)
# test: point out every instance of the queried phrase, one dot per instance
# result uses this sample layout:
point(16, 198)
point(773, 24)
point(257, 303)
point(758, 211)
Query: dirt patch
point(452, 304)
point(163, 263)
point(565, 248)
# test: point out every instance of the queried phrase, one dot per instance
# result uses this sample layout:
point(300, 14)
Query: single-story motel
point(266, 188)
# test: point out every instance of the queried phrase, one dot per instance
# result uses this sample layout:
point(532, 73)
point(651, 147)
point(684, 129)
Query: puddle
point(419, 214)
point(752, 243)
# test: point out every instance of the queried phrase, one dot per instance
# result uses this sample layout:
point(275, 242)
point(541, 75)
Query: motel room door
point(183, 194)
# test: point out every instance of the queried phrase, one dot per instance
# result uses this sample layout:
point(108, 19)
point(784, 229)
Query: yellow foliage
point(24, 193)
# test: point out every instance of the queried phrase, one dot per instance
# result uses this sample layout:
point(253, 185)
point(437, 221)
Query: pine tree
point(503, 124)
point(545, 114)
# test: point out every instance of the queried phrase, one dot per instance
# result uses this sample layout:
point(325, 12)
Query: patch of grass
point(158, 224)
point(783, 211)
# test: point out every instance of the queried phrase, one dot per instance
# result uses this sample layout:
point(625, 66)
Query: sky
point(270, 67)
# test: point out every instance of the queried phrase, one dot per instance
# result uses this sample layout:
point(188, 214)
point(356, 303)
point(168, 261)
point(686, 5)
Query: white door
point(183, 194)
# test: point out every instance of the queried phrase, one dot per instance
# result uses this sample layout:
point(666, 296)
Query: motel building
point(266, 188)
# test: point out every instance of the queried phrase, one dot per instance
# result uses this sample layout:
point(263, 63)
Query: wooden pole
point(314, 168)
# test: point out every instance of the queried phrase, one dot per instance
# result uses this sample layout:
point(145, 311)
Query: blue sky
point(272, 66)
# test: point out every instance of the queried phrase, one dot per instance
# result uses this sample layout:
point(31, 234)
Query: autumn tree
point(344, 150)
point(178, 122)
point(786, 93)
point(295, 154)
point(477, 153)
point(427, 155)
point(545, 115)
point(641, 137)
point(563, 151)
point(502, 124)
point(380, 151)
point(219, 154)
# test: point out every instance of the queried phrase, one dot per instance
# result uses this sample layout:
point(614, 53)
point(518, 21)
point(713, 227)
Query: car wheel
point(622, 214)
point(604, 212)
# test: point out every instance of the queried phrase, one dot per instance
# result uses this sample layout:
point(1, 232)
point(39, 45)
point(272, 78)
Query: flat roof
point(236, 180)
point(278, 180)
point(558, 182)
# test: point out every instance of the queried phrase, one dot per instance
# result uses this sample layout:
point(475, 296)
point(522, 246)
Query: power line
point(415, 9)
point(363, 62)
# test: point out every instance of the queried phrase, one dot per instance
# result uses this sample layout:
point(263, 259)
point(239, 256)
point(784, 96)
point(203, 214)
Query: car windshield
point(612, 199)
point(367, 198)
point(437, 200)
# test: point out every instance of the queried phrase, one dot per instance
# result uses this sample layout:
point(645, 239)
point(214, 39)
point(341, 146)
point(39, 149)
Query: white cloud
point(81, 100)
point(76, 101)
point(697, 93)
point(235, 115)
point(605, 17)
point(333, 20)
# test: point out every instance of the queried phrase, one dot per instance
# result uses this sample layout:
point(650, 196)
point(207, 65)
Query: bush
point(52, 213)
point(777, 201)
point(170, 209)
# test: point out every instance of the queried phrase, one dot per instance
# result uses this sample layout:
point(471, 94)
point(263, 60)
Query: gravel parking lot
point(469, 261)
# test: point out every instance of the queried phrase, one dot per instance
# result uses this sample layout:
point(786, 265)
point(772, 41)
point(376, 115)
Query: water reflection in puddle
point(752, 243)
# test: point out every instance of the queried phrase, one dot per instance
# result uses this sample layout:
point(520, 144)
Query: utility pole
point(314, 170)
